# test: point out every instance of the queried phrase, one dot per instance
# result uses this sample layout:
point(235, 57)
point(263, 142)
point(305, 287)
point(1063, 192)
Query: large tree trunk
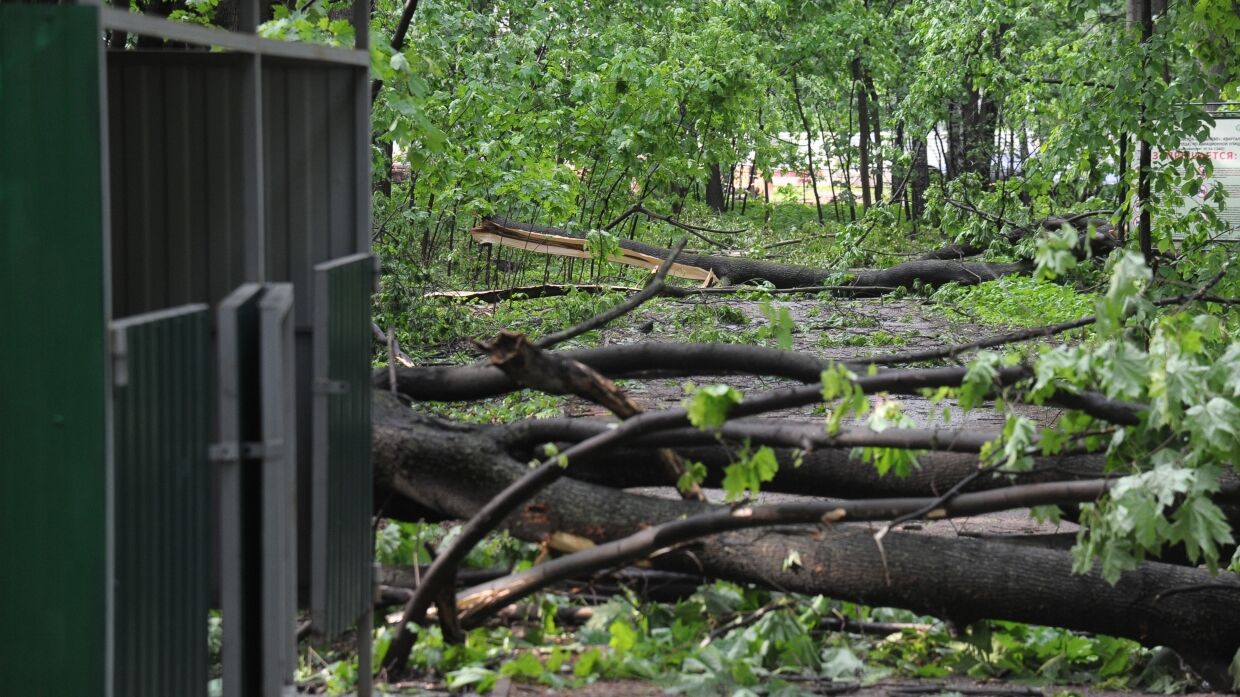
point(863, 126)
point(732, 270)
point(435, 468)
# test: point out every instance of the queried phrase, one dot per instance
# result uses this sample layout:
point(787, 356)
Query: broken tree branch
point(656, 286)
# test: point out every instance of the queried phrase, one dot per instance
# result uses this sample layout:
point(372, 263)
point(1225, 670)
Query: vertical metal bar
point(361, 154)
point(235, 346)
point(279, 496)
point(365, 660)
point(105, 194)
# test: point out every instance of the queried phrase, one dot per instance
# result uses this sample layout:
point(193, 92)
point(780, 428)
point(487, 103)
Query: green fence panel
point(342, 545)
point(161, 494)
point(53, 386)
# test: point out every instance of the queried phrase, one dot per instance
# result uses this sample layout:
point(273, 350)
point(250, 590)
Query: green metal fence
point(342, 545)
point(161, 494)
point(53, 385)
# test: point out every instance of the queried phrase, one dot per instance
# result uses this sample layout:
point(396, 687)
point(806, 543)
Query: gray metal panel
point(275, 146)
point(162, 492)
point(240, 547)
point(342, 545)
point(226, 210)
point(340, 151)
point(257, 459)
point(147, 25)
point(362, 158)
point(315, 185)
point(177, 179)
point(279, 385)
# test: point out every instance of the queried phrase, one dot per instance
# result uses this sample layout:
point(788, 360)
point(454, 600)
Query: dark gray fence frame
point(264, 181)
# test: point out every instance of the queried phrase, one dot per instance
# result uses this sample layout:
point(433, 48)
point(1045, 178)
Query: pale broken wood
point(490, 232)
point(546, 290)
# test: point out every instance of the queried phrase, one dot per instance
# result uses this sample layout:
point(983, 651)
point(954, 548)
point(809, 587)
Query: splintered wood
point(490, 232)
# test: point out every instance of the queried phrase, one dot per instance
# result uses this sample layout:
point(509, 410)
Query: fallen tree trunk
point(732, 270)
point(452, 383)
point(447, 469)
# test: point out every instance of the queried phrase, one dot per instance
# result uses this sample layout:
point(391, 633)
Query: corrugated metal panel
point(161, 493)
point(342, 545)
point(256, 455)
point(53, 389)
point(311, 153)
point(175, 139)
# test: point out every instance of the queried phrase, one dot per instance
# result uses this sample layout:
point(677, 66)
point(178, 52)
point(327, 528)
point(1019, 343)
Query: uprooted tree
point(1141, 457)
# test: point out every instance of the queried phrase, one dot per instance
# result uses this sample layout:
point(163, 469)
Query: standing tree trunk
point(809, 146)
point(714, 189)
point(863, 127)
point(878, 138)
point(1145, 17)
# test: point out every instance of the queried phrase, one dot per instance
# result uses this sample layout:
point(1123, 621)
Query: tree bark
point(920, 182)
point(444, 469)
point(863, 127)
point(714, 189)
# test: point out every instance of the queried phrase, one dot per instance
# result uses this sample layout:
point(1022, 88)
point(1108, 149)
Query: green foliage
point(708, 406)
point(745, 476)
point(1016, 301)
point(838, 385)
point(566, 114)
point(900, 461)
point(781, 325)
point(602, 246)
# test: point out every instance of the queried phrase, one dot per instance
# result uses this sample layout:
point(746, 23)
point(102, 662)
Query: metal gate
point(159, 501)
point(258, 487)
point(342, 544)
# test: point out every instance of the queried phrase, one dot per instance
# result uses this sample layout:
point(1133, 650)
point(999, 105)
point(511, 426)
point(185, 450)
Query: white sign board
point(1222, 149)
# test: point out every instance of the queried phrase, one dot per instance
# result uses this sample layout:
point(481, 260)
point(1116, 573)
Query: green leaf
point(1216, 422)
point(585, 665)
point(482, 678)
point(525, 665)
point(623, 636)
point(978, 380)
point(747, 474)
point(1018, 436)
point(1125, 369)
point(1202, 527)
point(781, 324)
point(1054, 255)
point(694, 474)
point(708, 407)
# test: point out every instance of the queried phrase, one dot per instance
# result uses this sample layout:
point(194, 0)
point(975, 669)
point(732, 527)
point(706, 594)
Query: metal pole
point(365, 637)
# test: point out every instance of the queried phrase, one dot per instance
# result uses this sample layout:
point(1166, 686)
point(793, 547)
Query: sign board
point(1222, 148)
